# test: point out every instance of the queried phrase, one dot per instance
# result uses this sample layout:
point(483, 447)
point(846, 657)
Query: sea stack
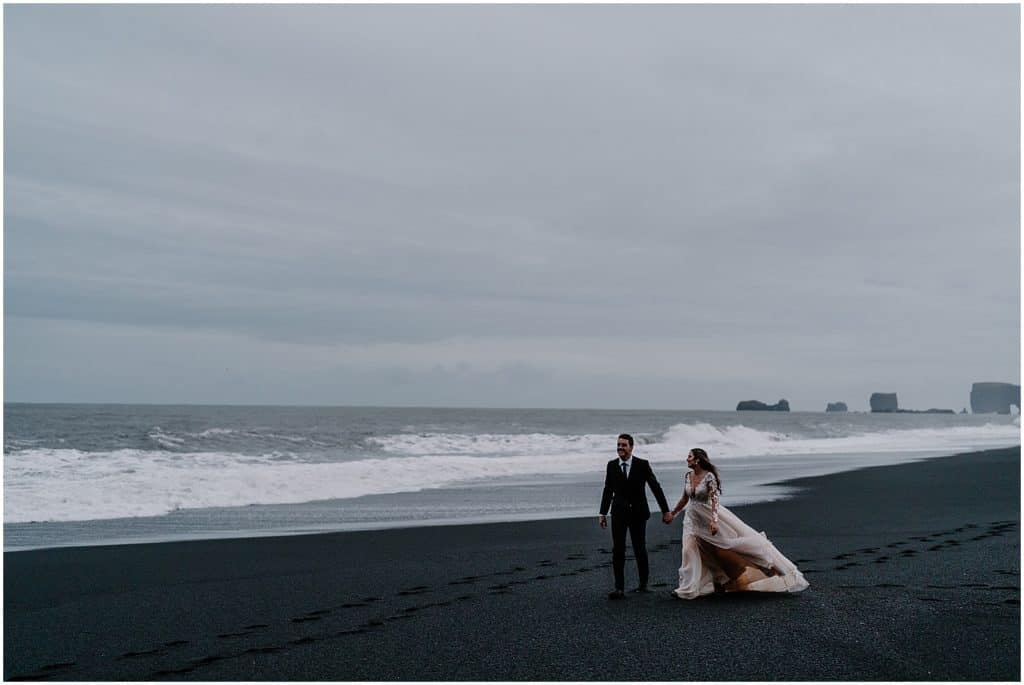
point(884, 402)
point(994, 398)
point(755, 405)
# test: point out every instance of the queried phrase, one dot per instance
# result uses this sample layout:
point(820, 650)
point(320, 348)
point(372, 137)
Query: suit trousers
point(637, 529)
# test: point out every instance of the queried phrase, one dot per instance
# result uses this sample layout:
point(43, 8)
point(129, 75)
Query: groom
point(624, 490)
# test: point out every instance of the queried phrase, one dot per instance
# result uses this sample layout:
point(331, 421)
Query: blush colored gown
point(737, 546)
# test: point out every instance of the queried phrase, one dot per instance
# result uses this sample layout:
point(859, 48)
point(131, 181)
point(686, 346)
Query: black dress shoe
point(617, 594)
point(642, 588)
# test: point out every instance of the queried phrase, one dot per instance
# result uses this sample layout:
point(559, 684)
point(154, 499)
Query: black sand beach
point(914, 571)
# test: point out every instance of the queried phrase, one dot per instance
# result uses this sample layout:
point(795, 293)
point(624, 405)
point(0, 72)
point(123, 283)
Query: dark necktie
point(624, 472)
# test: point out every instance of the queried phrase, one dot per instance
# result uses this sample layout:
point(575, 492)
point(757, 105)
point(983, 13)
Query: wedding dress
point(736, 558)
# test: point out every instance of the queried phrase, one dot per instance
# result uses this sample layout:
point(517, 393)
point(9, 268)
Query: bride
point(721, 552)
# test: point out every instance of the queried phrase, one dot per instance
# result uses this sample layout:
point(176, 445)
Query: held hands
point(666, 518)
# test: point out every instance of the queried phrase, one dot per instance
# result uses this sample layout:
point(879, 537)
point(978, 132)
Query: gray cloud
point(814, 198)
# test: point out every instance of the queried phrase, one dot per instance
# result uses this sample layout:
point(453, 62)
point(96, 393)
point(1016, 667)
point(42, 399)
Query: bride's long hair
point(702, 458)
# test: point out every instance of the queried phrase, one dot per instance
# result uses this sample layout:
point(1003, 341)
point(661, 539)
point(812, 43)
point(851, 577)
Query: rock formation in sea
point(836, 406)
point(989, 398)
point(755, 405)
point(884, 402)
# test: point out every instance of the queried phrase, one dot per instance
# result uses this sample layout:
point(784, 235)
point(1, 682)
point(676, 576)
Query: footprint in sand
point(397, 617)
point(264, 650)
point(173, 671)
point(203, 661)
point(44, 672)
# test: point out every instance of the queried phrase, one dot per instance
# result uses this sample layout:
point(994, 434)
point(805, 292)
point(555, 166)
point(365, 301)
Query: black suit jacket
point(628, 498)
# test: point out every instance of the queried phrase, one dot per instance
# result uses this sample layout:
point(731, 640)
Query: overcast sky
point(550, 206)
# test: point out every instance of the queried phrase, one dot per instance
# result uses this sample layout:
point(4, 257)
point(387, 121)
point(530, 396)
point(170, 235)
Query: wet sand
point(914, 572)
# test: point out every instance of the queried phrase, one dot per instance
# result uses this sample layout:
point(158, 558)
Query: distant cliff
point(989, 398)
point(754, 405)
point(836, 406)
point(884, 402)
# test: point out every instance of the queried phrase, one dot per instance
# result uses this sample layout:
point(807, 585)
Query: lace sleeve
point(713, 496)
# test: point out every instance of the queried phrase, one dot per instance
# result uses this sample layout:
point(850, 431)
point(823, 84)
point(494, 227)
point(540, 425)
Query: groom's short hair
point(627, 437)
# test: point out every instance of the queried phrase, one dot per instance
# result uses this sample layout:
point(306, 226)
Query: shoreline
point(512, 502)
point(909, 580)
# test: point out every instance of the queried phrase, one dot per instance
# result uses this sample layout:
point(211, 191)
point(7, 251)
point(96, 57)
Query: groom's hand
point(667, 517)
point(603, 520)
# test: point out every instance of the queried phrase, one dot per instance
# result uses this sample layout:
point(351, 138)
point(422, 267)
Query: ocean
point(111, 474)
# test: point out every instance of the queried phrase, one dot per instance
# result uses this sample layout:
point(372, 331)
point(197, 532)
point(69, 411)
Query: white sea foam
point(165, 440)
point(210, 432)
point(740, 441)
point(68, 485)
point(72, 485)
point(488, 444)
point(196, 440)
point(721, 442)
